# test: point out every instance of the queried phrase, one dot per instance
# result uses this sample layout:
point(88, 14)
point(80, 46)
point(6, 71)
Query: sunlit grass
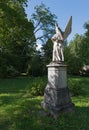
point(19, 110)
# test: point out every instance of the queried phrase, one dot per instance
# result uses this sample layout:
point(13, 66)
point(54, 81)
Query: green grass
point(21, 111)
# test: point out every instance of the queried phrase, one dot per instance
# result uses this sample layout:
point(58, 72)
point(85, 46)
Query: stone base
point(55, 112)
point(57, 102)
point(56, 95)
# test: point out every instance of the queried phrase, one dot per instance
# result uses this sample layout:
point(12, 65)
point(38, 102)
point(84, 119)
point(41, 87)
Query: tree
point(75, 44)
point(47, 54)
point(35, 67)
point(15, 36)
point(43, 21)
point(85, 45)
point(47, 51)
point(72, 55)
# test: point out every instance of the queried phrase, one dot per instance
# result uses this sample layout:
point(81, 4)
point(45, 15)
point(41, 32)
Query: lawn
point(19, 110)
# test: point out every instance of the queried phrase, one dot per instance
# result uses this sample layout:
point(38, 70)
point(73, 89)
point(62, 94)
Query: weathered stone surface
point(56, 97)
point(57, 76)
point(56, 94)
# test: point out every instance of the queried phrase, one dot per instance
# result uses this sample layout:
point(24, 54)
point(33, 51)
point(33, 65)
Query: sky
point(63, 9)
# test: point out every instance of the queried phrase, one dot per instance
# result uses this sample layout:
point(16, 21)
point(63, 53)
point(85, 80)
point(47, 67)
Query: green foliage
point(44, 21)
point(16, 34)
point(35, 67)
point(17, 38)
point(37, 87)
point(12, 72)
point(72, 55)
point(74, 65)
point(3, 71)
point(47, 51)
point(8, 71)
point(77, 53)
point(75, 87)
point(47, 54)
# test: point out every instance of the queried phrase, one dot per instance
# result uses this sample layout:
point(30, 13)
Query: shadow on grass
point(25, 115)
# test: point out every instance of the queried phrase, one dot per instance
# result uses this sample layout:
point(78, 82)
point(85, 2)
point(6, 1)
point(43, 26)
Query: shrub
point(3, 71)
point(12, 72)
point(8, 71)
point(75, 87)
point(37, 86)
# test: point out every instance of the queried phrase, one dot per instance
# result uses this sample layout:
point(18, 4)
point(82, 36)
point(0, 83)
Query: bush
point(8, 71)
point(12, 72)
point(75, 87)
point(3, 71)
point(37, 86)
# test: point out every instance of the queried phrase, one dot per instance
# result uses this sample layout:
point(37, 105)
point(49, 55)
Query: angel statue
point(58, 40)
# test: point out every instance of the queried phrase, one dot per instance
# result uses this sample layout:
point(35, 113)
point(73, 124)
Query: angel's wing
point(68, 29)
point(58, 32)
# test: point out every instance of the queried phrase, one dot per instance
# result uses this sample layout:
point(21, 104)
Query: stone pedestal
point(56, 94)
